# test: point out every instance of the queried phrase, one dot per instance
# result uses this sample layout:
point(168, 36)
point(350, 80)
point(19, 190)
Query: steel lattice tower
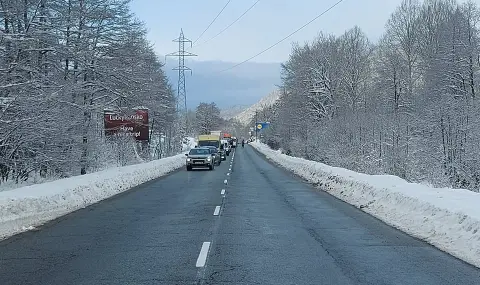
point(181, 87)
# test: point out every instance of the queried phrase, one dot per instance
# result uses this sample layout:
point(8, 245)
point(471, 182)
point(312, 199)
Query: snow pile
point(446, 218)
point(24, 208)
point(33, 179)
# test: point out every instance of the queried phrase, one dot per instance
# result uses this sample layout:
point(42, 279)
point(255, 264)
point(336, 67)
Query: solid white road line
point(217, 211)
point(202, 257)
point(222, 192)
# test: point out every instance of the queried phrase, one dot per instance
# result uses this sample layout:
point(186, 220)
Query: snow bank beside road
point(446, 218)
point(23, 208)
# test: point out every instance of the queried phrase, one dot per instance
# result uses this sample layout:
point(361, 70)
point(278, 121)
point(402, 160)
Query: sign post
point(259, 126)
point(134, 124)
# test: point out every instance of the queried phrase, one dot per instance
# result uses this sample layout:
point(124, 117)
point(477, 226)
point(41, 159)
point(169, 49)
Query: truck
point(209, 140)
point(213, 140)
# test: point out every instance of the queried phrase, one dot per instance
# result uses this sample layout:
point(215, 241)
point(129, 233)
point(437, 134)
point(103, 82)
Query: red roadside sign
point(130, 123)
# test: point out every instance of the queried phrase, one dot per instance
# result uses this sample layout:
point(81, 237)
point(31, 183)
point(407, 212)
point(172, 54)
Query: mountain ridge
point(242, 85)
point(246, 116)
point(230, 112)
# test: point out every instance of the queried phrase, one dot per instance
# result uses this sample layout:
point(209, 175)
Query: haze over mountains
point(232, 111)
point(232, 90)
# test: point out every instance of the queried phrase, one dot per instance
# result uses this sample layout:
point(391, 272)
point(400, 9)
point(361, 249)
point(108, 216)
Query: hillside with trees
point(407, 105)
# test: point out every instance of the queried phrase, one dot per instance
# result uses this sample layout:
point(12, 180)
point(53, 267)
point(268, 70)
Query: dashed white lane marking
point(228, 173)
point(225, 181)
point(202, 257)
point(229, 169)
point(222, 192)
point(217, 211)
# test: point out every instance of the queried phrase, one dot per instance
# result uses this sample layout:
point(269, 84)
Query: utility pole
point(256, 123)
point(181, 88)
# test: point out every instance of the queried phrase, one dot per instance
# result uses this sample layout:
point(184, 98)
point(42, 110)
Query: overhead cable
point(227, 27)
point(213, 21)
point(285, 38)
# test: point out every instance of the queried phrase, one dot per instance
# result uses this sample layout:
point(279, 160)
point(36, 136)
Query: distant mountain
point(230, 112)
point(243, 85)
point(246, 116)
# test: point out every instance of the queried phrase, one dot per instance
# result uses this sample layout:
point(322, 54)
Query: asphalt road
point(271, 228)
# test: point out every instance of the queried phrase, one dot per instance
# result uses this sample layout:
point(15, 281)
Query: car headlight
point(189, 159)
point(209, 158)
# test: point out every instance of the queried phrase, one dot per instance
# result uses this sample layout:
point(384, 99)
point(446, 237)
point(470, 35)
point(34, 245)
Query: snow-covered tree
point(407, 105)
point(62, 62)
point(207, 116)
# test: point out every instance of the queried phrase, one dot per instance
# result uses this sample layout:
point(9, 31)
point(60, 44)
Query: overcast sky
point(266, 23)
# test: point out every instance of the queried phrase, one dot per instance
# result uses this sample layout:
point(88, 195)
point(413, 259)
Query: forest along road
point(253, 224)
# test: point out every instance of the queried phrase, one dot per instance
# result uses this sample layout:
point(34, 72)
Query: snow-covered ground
point(32, 180)
point(446, 218)
point(190, 143)
point(25, 208)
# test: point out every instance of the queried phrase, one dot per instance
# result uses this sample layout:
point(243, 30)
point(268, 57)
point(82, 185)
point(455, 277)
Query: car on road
point(228, 148)
point(200, 157)
point(220, 152)
point(217, 157)
point(223, 153)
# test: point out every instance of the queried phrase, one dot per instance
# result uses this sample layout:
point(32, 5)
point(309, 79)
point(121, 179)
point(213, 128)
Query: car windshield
point(199, 151)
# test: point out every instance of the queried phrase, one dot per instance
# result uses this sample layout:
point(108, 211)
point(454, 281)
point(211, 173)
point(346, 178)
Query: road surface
point(269, 227)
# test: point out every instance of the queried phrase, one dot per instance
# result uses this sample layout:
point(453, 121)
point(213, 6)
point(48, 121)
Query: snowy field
point(25, 208)
point(447, 218)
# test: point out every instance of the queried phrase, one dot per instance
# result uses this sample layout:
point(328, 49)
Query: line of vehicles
point(210, 150)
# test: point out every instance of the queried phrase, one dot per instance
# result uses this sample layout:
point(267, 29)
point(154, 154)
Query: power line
point(212, 21)
point(280, 41)
point(226, 28)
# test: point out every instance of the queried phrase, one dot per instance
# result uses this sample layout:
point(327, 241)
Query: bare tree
point(406, 106)
point(61, 63)
point(207, 117)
